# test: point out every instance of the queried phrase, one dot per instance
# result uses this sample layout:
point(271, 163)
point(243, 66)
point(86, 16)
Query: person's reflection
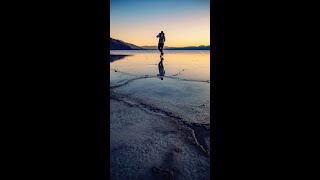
point(161, 69)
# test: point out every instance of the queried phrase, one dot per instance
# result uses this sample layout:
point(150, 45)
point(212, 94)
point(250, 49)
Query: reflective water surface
point(160, 114)
point(193, 65)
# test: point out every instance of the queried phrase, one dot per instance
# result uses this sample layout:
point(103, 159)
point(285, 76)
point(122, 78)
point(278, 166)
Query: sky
point(184, 22)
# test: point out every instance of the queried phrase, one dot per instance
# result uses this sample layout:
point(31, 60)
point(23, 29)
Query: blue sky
point(138, 21)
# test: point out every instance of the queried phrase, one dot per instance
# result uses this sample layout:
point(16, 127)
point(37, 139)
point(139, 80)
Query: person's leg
point(159, 47)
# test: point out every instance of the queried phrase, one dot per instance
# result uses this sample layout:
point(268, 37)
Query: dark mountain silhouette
point(116, 44)
point(178, 48)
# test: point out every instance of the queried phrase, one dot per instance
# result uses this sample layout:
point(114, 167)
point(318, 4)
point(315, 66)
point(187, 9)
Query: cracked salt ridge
point(147, 76)
point(178, 73)
point(184, 126)
point(191, 129)
point(182, 98)
point(171, 77)
point(145, 107)
point(125, 82)
point(167, 166)
point(156, 111)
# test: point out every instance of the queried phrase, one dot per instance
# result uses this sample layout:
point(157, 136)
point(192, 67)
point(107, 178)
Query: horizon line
point(157, 45)
point(177, 46)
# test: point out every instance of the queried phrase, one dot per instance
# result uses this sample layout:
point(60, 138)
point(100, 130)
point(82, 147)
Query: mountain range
point(116, 44)
point(178, 48)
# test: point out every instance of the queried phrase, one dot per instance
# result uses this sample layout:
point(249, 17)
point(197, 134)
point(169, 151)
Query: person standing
point(162, 39)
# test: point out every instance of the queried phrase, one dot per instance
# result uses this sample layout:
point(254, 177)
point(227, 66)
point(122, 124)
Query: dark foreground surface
point(160, 129)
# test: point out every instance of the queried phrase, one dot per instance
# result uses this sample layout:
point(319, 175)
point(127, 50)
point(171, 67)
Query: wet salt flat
point(193, 65)
point(160, 128)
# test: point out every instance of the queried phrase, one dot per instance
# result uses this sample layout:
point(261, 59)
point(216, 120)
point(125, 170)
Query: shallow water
point(193, 65)
point(160, 128)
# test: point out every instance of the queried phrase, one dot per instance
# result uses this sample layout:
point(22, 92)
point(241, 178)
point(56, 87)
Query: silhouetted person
point(162, 39)
point(161, 69)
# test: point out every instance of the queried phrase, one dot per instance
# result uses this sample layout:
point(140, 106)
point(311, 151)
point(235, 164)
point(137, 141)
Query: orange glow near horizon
point(182, 28)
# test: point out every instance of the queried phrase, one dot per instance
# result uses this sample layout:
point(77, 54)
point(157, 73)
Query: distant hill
point(116, 44)
point(179, 48)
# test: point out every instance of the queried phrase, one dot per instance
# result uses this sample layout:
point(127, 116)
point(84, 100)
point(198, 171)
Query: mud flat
point(160, 129)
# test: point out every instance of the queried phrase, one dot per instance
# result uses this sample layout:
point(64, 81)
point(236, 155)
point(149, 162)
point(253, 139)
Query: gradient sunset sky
point(184, 22)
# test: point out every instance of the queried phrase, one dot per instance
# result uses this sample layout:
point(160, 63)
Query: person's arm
point(158, 35)
point(164, 39)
